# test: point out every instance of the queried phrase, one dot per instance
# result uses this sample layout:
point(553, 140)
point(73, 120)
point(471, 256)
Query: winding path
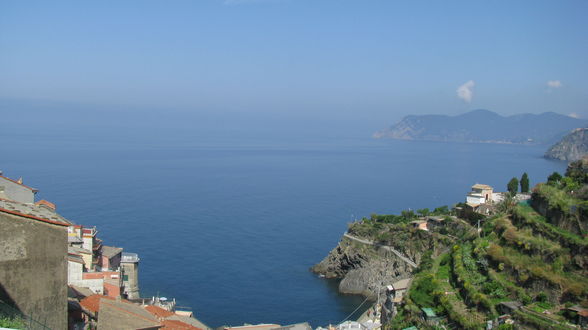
point(389, 248)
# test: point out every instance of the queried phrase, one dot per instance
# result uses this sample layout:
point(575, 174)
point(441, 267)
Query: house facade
point(33, 267)
point(15, 190)
point(480, 194)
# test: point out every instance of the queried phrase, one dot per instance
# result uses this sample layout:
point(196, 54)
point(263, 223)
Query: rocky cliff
point(572, 147)
point(364, 266)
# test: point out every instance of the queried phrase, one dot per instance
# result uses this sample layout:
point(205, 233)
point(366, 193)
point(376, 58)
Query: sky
point(366, 63)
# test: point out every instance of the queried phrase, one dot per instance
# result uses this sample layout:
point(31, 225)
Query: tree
point(525, 183)
point(441, 210)
point(578, 171)
point(423, 212)
point(408, 214)
point(513, 186)
point(554, 178)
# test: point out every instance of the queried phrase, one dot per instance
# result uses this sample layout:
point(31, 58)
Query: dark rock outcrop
point(363, 268)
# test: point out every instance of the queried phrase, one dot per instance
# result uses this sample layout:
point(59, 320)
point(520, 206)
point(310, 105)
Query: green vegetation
point(513, 186)
point(525, 183)
point(528, 217)
point(534, 253)
point(554, 178)
point(11, 322)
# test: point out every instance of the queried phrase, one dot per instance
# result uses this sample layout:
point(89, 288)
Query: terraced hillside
point(527, 267)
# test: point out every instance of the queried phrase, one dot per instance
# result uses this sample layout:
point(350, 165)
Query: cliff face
point(572, 147)
point(364, 265)
point(363, 268)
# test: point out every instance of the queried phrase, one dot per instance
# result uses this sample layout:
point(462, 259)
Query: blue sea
point(229, 226)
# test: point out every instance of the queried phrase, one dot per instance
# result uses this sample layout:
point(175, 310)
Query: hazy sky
point(364, 60)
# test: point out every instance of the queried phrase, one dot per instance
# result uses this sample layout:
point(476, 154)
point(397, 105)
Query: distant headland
point(483, 126)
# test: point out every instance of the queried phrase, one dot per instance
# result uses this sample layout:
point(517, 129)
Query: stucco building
point(480, 194)
point(33, 266)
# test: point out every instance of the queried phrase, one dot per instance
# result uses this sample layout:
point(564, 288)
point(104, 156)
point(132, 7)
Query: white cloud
point(554, 84)
point(465, 91)
point(574, 115)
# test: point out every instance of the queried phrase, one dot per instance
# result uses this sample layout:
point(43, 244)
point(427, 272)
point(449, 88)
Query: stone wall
point(33, 268)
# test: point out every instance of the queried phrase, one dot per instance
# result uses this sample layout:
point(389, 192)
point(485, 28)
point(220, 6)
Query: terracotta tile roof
point(48, 204)
point(158, 311)
point(92, 303)
point(188, 320)
point(177, 325)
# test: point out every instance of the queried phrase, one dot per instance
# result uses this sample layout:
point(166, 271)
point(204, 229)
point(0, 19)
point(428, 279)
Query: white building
point(480, 194)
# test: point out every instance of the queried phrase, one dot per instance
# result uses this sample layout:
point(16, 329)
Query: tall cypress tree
point(513, 186)
point(525, 183)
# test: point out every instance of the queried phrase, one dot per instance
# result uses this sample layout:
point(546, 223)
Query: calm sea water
point(231, 228)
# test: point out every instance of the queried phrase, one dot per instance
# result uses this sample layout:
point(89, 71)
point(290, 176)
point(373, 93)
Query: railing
point(11, 317)
point(129, 257)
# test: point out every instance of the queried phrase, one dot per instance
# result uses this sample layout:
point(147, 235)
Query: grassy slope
point(516, 253)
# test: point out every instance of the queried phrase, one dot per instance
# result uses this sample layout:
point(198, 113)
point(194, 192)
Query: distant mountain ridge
point(483, 126)
point(572, 147)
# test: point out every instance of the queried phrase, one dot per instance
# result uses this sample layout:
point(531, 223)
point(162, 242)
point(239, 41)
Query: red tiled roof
point(177, 325)
point(46, 203)
point(34, 217)
point(92, 303)
point(19, 183)
point(158, 311)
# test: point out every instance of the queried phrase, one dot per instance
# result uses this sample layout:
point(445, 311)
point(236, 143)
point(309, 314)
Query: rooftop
point(74, 239)
point(123, 315)
point(77, 250)
point(177, 325)
point(189, 320)
point(92, 303)
point(256, 326)
point(32, 211)
point(481, 186)
point(45, 203)
point(402, 284)
point(75, 258)
point(110, 251)
point(79, 292)
point(429, 312)
point(158, 311)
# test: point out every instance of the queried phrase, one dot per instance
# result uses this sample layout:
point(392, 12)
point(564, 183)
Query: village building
point(481, 200)
point(419, 224)
point(130, 267)
point(15, 190)
point(580, 315)
point(33, 250)
point(434, 222)
point(508, 307)
point(110, 257)
point(480, 194)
